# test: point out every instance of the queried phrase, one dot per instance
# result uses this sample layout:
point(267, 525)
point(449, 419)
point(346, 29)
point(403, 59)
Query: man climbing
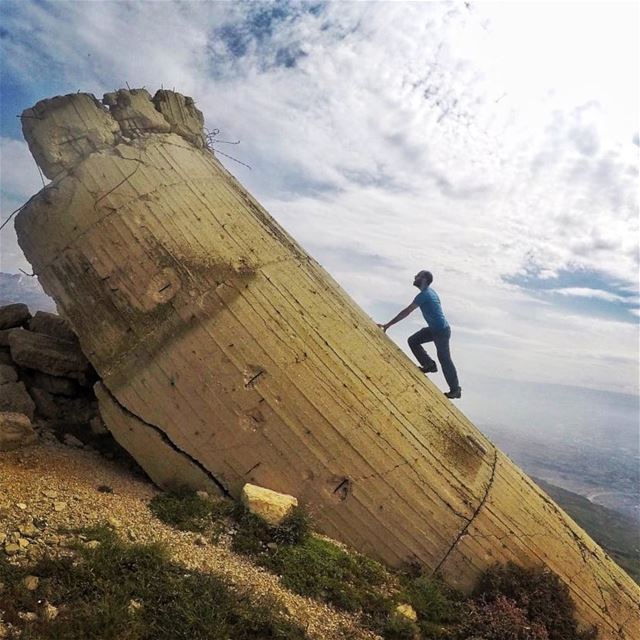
point(437, 331)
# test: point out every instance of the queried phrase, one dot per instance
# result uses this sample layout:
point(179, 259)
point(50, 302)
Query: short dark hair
point(428, 275)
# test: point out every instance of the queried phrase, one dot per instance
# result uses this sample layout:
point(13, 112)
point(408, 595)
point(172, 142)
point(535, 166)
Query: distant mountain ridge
point(617, 533)
point(18, 287)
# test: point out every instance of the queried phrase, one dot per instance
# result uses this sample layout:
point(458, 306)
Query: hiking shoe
point(454, 393)
point(432, 368)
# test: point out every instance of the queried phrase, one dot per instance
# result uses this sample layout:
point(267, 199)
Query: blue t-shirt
point(431, 308)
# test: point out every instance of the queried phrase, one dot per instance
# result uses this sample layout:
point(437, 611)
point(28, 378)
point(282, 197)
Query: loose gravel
point(50, 488)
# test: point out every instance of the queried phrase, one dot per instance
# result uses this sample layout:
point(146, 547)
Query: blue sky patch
point(582, 291)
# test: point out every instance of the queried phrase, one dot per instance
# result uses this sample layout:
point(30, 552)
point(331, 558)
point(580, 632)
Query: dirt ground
point(55, 486)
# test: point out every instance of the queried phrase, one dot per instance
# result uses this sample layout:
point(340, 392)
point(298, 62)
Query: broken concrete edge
point(161, 453)
point(57, 146)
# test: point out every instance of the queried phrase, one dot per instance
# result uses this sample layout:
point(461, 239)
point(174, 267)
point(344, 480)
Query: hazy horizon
point(495, 144)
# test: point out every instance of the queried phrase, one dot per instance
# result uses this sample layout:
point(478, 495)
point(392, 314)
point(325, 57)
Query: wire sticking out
point(211, 140)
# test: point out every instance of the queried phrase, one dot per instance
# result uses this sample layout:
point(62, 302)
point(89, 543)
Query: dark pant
point(441, 340)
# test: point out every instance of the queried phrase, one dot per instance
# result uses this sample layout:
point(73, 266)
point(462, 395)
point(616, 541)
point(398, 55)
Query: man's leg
point(441, 339)
point(415, 344)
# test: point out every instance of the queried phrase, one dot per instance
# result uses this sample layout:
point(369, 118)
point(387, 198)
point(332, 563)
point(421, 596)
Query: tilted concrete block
point(53, 384)
point(52, 325)
point(15, 431)
point(47, 354)
point(228, 355)
point(13, 315)
point(14, 398)
point(8, 373)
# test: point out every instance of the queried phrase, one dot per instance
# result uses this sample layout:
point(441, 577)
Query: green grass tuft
point(254, 534)
point(185, 510)
point(432, 600)
point(400, 628)
point(321, 570)
point(95, 591)
point(510, 603)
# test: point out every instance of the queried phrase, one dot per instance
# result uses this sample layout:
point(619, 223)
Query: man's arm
point(401, 316)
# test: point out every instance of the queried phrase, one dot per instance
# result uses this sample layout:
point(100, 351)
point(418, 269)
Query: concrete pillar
point(228, 355)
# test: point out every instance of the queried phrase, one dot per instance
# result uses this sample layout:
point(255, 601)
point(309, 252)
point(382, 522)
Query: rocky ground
point(49, 487)
point(60, 470)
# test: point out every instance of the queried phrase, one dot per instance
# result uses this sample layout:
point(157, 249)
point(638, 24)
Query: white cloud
point(18, 170)
point(586, 292)
point(479, 143)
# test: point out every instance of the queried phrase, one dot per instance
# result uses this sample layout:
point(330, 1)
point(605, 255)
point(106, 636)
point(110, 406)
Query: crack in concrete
point(473, 517)
point(165, 438)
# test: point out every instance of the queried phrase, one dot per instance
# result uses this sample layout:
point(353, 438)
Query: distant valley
point(616, 533)
point(19, 287)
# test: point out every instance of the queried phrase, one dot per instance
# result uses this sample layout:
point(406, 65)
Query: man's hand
point(403, 314)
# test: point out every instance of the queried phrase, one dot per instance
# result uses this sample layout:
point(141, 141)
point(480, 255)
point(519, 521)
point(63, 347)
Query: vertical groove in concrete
point(207, 321)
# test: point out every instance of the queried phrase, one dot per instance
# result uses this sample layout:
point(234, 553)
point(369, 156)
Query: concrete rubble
point(227, 355)
point(45, 380)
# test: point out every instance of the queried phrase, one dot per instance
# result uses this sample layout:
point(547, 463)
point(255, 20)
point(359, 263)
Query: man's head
point(422, 279)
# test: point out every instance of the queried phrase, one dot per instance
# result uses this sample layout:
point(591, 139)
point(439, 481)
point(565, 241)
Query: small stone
point(269, 505)
point(203, 495)
point(21, 505)
point(16, 430)
point(23, 543)
point(49, 612)
point(31, 582)
point(407, 611)
point(59, 506)
point(50, 494)
point(28, 530)
point(34, 552)
point(92, 544)
point(97, 426)
point(71, 441)
point(15, 399)
point(11, 549)
point(201, 541)
point(272, 546)
point(134, 605)
point(27, 616)
point(114, 523)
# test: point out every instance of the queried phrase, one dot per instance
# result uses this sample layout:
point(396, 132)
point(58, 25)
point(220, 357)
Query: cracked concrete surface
point(228, 355)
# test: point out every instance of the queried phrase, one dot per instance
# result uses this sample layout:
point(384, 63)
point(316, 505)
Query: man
point(437, 331)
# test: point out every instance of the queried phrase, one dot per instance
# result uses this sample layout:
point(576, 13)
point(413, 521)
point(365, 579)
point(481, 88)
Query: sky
point(494, 144)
